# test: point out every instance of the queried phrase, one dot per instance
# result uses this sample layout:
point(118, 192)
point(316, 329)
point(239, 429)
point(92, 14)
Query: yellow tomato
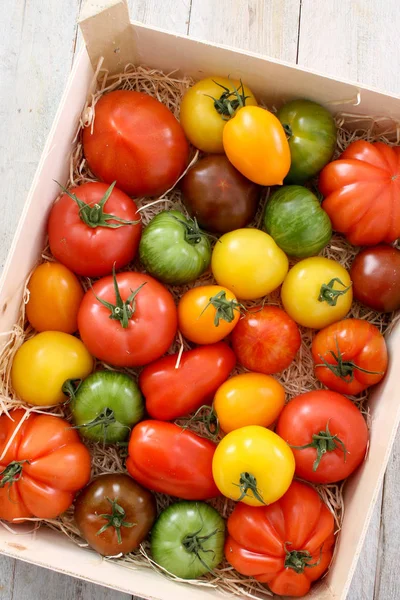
point(256, 144)
point(202, 120)
point(253, 465)
point(249, 263)
point(43, 364)
point(248, 399)
point(317, 292)
point(207, 314)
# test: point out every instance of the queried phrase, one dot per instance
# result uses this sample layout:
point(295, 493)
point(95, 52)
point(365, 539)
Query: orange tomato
point(255, 143)
point(55, 295)
point(207, 314)
point(248, 399)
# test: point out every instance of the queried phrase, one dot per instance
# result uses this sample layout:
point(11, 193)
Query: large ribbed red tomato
point(362, 193)
point(137, 142)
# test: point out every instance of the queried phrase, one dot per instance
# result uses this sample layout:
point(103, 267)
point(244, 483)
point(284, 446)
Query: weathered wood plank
point(172, 15)
point(266, 27)
point(7, 569)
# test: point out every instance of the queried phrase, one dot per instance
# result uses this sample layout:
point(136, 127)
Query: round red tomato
point(266, 340)
point(137, 142)
point(94, 227)
point(327, 433)
point(129, 327)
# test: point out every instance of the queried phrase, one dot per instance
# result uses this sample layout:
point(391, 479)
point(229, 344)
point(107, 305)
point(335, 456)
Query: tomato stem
point(288, 130)
point(93, 215)
point(193, 543)
point(229, 101)
point(103, 420)
point(343, 368)
point(12, 472)
point(248, 482)
point(298, 560)
point(324, 442)
point(208, 418)
point(329, 295)
point(193, 233)
point(224, 309)
point(70, 388)
point(115, 519)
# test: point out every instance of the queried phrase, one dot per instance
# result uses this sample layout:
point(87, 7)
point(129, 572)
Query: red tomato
point(166, 458)
point(266, 340)
point(137, 142)
point(362, 193)
point(44, 466)
point(132, 328)
point(86, 239)
point(327, 433)
point(288, 544)
point(171, 393)
point(349, 356)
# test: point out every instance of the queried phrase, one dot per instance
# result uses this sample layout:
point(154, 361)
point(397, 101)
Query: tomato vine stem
point(329, 295)
point(324, 442)
point(248, 482)
point(343, 368)
point(115, 519)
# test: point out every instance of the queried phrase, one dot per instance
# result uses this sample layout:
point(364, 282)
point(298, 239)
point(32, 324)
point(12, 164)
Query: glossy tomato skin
point(311, 413)
point(96, 499)
point(137, 142)
point(54, 298)
point(362, 193)
point(376, 278)
point(150, 331)
point(172, 392)
point(201, 121)
point(255, 143)
point(359, 343)
point(218, 196)
point(43, 363)
point(260, 538)
point(248, 399)
point(266, 340)
point(197, 314)
point(166, 458)
point(54, 464)
point(88, 251)
point(305, 292)
point(312, 138)
point(256, 452)
point(249, 263)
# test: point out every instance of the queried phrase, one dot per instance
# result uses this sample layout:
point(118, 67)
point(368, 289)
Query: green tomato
point(312, 138)
point(173, 249)
point(105, 406)
point(295, 220)
point(187, 539)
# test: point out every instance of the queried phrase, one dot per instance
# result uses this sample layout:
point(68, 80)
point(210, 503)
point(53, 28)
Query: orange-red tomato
point(54, 298)
point(207, 314)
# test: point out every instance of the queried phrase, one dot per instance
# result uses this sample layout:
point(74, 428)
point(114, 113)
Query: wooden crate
point(109, 33)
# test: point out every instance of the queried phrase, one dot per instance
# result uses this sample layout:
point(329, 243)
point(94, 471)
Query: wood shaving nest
point(298, 378)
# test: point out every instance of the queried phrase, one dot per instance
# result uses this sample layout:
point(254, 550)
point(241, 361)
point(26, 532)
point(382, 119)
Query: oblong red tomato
point(166, 458)
point(172, 392)
point(136, 141)
point(327, 434)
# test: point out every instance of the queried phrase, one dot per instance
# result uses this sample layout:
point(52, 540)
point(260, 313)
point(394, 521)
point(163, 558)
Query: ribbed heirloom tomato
point(44, 465)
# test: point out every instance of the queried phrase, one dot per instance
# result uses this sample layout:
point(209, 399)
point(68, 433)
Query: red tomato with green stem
point(349, 356)
point(94, 227)
point(327, 434)
point(128, 319)
point(168, 459)
point(266, 340)
point(173, 392)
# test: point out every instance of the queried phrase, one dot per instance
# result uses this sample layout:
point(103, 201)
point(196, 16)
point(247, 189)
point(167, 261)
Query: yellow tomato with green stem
point(206, 108)
point(207, 314)
point(317, 292)
point(44, 363)
point(248, 399)
point(249, 263)
point(253, 465)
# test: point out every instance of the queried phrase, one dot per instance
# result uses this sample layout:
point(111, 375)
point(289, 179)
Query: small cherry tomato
point(54, 298)
point(248, 399)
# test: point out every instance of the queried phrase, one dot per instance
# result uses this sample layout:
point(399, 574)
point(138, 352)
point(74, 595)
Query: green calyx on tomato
point(94, 216)
point(298, 560)
point(225, 309)
point(248, 482)
point(329, 295)
point(324, 442)
point(11, 473)
point(344, 368)
point(205, 415)
point(229, 101)
point(115, 519)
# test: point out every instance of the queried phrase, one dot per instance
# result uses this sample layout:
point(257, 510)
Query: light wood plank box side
point(274, 82)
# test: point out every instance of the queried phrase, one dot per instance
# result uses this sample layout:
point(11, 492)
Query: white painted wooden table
point(355, 39)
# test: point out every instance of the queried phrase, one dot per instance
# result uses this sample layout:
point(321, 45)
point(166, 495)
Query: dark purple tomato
point(375, 274)
point(220, 197)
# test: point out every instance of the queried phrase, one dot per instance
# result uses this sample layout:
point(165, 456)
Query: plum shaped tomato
point(137, 142)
